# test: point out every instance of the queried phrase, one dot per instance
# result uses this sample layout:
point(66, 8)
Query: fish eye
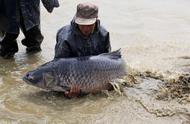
point(27, 75)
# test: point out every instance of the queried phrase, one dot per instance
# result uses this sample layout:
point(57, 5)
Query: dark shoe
point(7, 54)
point(33, 49)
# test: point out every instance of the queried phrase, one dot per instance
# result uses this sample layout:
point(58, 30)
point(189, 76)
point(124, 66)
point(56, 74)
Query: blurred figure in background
point(24, 15)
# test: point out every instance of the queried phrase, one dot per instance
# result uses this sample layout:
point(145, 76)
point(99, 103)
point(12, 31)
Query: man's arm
point(107, 43)
point(62, 47)
point(106, 39)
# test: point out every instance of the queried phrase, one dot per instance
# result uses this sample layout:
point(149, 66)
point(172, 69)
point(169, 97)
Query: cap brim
point(82, 21)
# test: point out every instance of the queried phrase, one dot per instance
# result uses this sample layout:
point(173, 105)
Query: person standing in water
point(24, 15)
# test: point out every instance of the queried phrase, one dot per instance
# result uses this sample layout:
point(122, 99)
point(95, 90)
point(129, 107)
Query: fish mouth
point(31, 80)
point(28, 79)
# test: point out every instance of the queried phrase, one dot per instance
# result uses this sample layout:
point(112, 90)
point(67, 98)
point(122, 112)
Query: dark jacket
point(29, 9)
point(71, 43)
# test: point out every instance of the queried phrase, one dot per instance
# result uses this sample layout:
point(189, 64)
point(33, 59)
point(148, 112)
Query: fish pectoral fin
point(61, 89)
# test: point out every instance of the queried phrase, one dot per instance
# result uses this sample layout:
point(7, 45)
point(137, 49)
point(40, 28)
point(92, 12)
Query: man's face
point(87, 29)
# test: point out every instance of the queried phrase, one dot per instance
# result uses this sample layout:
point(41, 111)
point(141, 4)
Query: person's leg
point(8, 46)
point(33, 39)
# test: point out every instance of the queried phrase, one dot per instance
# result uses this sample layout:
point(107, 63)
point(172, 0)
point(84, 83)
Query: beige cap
point(86, 14)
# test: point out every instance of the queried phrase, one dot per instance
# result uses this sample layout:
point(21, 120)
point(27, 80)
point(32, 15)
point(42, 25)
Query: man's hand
point(74, 91)
point(50, 4)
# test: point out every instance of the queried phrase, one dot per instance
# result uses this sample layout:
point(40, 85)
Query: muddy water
point(154, 37)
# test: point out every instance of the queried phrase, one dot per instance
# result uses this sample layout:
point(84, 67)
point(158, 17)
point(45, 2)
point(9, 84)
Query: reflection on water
point(11, 72)
point(155, 37)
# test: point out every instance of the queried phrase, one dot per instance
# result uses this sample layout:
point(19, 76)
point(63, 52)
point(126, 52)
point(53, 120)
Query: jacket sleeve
point(62, 47)
point(50, 4)
point(107, 43)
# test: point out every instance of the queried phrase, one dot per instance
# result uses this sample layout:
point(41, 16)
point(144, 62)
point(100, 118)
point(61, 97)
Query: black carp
point(92, 73)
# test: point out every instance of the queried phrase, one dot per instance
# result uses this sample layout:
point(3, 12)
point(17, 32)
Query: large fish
point(92, 73)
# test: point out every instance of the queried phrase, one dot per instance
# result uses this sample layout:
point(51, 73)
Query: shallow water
point(154, 36)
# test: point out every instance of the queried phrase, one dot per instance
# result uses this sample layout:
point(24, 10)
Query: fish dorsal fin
point(113, 55)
